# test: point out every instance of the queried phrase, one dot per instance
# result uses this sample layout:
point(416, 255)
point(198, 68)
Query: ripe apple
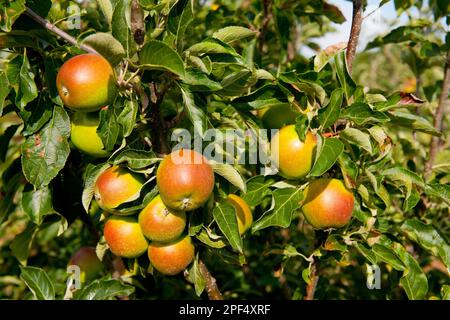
point(86, 83)
point(243, 213)
point(293, 157)
point(185, 180)
point(327, 204)
point(173, 257)
point(124, 237)
point(84, 134)
point(159, 223)
point(116, 186)
point(88, 262)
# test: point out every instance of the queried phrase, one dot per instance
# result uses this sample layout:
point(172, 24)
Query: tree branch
point(267, 5)
point(137, 22)
point(46, 24)
point(311, 287)
point(211, 285)
point(354, 33)
point(156, 120)
point(443, 107)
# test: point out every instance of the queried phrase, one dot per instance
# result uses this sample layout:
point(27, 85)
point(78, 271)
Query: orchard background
point(381, 118)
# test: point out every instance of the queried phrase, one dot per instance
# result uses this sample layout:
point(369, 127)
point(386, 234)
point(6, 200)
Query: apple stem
point(210, 283)
point(48, 25)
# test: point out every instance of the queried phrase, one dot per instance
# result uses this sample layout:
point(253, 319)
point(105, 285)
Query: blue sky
point(378, 23)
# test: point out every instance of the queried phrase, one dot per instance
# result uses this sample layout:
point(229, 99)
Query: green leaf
point(37, 203)
point(445, 292)
point(225, 216)
point(120, 27)
point(237, 82)
point(413, 122)
point(211, 46)
point(108, 128)
point(213, 242)
point(107, 9)
point(198, 81)
point(358, 138)
point(180, 17)
point(301, 127)
point(329, 115)
point(229, 173)
point(45, 153)
point(21, 244)
point(414, 281)
point(136, 159)
point(387, 255)
point(4, 90)
point(257, 189)
point(90, 177)
point(328, 154)
point(196, 277)
point(156, 55)
point(324, 56)
point(233, 34)
point(347, 83)
point(428, 238)
point(103, 290)
point(286, 201)
point(36, 115)
point(361, 114)
point(438, 190)
point(193, 106)
point(107, 46)
point(38, 282)
point(404, 175)
point(10, 12)
point(127, 117)
point(26, 90)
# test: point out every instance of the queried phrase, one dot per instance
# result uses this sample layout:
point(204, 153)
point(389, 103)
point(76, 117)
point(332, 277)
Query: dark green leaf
point(104, 290)
point(10, 13)
point(38, 282)
point(329, 114)
point(225, 216)
point(347, 83)
point(136, 159)
point(361, 114)
point(229, 173)
point(428, 238)
point(328, 154)
point(196, 277)
point(233, 33)
point(21, 244)
point(156, 55)
point(107, 46)
point(257, 189)
point(286, 201)
point(90, 177)
point(120, 27)
point(108, 128)
point(193, 106)
point(37, 203)
point(45, 153)
point(358, 138)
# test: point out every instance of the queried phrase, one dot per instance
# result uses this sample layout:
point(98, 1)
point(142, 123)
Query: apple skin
point(84, 134)
point(86, 83)
point(185, 180)
point(159, 223)
point(243, 213)
point(277, 116)
point(327, 204)
point(171, 258)
point(115, 186)
point(88, 262)
point(293, 157)
point(124, 237)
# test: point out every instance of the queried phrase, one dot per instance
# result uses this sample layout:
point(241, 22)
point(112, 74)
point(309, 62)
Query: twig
point(157, 122)
point(311, 287)
point(137, 22)
point(211, 285)
point(46, 24)
point(443, 107)
point(354, 33)
point(267, 4)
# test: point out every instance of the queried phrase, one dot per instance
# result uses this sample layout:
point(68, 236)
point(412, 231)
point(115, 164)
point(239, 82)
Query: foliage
point(213, 64)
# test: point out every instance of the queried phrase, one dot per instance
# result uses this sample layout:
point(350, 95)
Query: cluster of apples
point(185, 180)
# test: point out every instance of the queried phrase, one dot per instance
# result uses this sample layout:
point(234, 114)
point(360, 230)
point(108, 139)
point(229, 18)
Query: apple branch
point(51, 27)
point(311, 287)
point(211, 285)
point(443, 107)
point(354, 33)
